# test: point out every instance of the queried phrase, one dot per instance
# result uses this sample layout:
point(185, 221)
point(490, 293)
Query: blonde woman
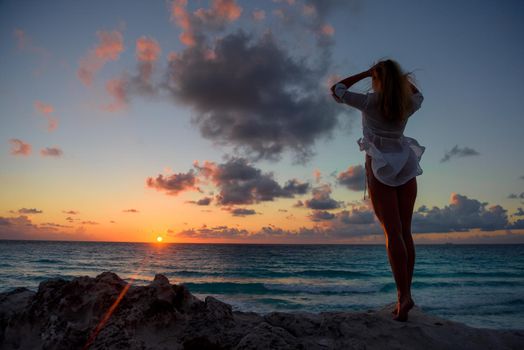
point(392, 163)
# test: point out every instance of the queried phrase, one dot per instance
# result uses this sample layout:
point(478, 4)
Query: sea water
point(480, 285)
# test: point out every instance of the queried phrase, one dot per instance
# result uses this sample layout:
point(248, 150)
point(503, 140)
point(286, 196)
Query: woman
point(392, 163)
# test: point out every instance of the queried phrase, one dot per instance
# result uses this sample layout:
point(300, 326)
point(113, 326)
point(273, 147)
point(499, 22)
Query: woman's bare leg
point(407, 194)
point(385, 204)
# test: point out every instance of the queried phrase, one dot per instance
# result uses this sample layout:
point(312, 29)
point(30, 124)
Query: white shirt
point(394, 157)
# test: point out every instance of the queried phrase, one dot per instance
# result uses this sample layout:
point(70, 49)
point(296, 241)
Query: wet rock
point(108, 313)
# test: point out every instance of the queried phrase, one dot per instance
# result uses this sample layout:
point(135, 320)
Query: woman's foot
point(395, 310)
point(402, 309)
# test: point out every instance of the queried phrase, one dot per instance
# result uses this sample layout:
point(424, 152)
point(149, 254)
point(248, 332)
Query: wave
point(276, 288)
point(348, 274)
point(47, 261)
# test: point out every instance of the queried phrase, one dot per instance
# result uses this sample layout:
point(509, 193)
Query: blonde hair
point(394, 96)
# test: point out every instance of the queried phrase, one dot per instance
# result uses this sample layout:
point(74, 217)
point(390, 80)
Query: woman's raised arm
point(349, 81)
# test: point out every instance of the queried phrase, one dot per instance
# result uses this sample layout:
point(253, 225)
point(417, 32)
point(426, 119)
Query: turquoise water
point(480, 285)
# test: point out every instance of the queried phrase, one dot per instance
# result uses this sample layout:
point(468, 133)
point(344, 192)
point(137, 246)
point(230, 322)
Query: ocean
point(480, 285)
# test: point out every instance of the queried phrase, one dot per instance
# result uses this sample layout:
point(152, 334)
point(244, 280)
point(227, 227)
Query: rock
point(107, 313)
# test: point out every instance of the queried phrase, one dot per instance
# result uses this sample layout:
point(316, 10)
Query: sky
point(212, 121)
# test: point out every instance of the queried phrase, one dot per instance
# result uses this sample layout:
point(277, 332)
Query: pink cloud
point(20, 148)
point(147, 49)
point(317, 175)
point(51, 152)
point(110, 45)
point(226, 10)
point(327, 30)
point(182, 19)
point(116, 88)
point(193, 24)
point(46, 110)
point(43, 108)
point(258, 15)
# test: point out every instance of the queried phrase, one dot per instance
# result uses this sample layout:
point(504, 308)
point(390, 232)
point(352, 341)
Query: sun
point(159, 239)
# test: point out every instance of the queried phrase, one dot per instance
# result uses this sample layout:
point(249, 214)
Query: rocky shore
point(107, 313)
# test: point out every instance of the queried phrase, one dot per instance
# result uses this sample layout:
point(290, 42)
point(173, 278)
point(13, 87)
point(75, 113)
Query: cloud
point(261, 109)
point(298, 204)
point(147, 53)
point(269, 101)
point(131, 211)
point(175, 183)
point(203, 201)
point(515, 196)
point(321, 215)
point(238, 183)
point(242, 212)
point(519, 212)
point(89, 222)
point(22, 227)
point(194, 25)
point(321, 199)
point(462, 214)
point(459, 152)
point(147, 49)
point(51, 152)
point(220, 13)
point(258, 15)
point(70, 212)
point(182, 18)
point(44, 108)
point(19, 148)
point(29, 211)
point(317, 175)
point(47, 110)
point(117, 90)
point(354, 178)
point(109, 48)
point(241, 183)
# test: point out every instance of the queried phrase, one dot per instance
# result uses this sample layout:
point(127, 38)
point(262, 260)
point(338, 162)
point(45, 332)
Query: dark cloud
point(517, 225)
point(295, 187)
point(52, 224)
point(175, 183)
point(250, 90)
point(298, 204)
point(203, 201)
point(241, 183)
point(322, 199)
point(462, 214)
point(253, 95)
point(131, 211)
point(29, 211)
point(89, 222)
point(357, 216)
point(21, 227)
point(216, 232)
point(354, 178)
point(51, 152)
point(321, 215)
point(70, 212)
point(242, 212)
point(519, 212)
point(459, 152)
